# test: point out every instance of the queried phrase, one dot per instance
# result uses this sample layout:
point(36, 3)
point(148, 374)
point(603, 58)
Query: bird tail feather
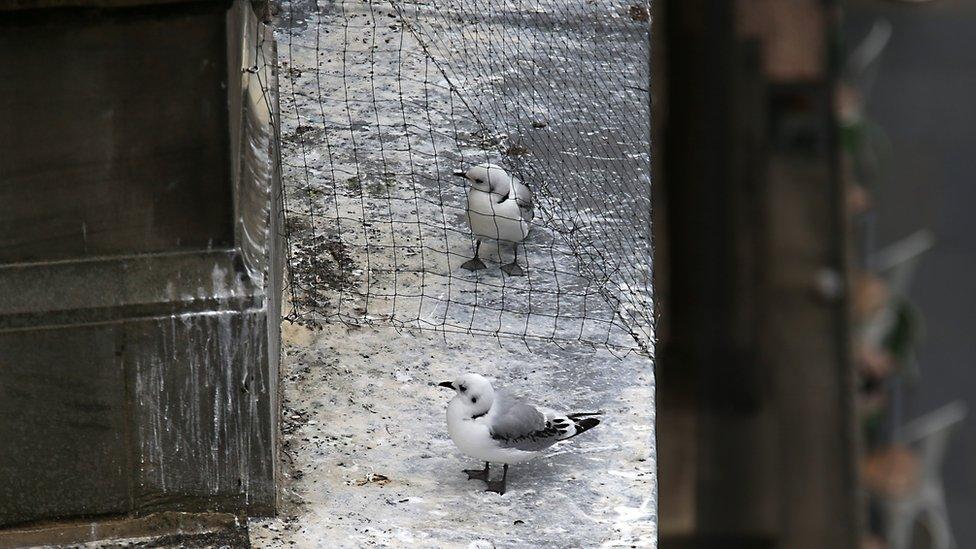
point(583, 414)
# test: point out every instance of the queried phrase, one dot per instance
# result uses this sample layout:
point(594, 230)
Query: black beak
point(460, 174)
point(448, 384)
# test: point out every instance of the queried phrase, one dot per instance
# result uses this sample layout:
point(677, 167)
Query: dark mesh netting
point(382, 101)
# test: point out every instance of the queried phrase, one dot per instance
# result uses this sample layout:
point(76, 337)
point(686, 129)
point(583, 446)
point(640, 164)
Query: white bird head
point(488, 178)
point(474, 392)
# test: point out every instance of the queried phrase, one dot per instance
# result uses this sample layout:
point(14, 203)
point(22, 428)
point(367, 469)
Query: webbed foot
point(513, 269)
point(497, 486)
point(473, 265)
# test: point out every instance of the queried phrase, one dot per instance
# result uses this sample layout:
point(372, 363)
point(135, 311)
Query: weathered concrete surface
point(376, 115)
point(81, 176)
point(368, 460)
point(371, 132)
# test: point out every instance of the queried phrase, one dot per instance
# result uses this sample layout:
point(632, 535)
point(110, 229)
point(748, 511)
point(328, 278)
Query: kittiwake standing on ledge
point(495, 426)
point(499, 208)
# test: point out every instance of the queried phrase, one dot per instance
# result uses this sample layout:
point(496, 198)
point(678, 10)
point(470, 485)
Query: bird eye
point(462, 388)
point(474, 400)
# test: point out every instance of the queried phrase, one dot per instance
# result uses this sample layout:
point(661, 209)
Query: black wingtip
point(585, 424)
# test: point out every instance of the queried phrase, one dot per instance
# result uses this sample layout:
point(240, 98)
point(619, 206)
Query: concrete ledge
point(100, 290)
point(206, 529)
point(11, 5)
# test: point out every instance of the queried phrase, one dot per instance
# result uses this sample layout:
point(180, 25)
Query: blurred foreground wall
point(917, 102)
point(755, 423)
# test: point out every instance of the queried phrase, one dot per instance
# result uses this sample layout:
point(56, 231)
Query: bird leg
point(498, 486)
point(513, 269)
point(478, 474)
point(474, 264)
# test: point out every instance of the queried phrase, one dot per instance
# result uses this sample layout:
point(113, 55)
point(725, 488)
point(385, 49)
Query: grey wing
point(521, 426)
point(523, 196)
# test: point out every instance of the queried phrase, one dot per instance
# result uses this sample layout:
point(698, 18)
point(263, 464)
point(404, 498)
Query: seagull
point(499, 208)
point(495, 426)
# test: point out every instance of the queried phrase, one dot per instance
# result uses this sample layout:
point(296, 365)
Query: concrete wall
point(140, 263)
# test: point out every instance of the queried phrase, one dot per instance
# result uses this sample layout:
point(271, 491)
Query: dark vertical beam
point(709, 378)
point(754, 396)
point(696, 156)
point(841, 244)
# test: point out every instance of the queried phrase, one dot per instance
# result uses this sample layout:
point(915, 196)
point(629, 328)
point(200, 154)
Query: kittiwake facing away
point(499, 208)
point(495, 426)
